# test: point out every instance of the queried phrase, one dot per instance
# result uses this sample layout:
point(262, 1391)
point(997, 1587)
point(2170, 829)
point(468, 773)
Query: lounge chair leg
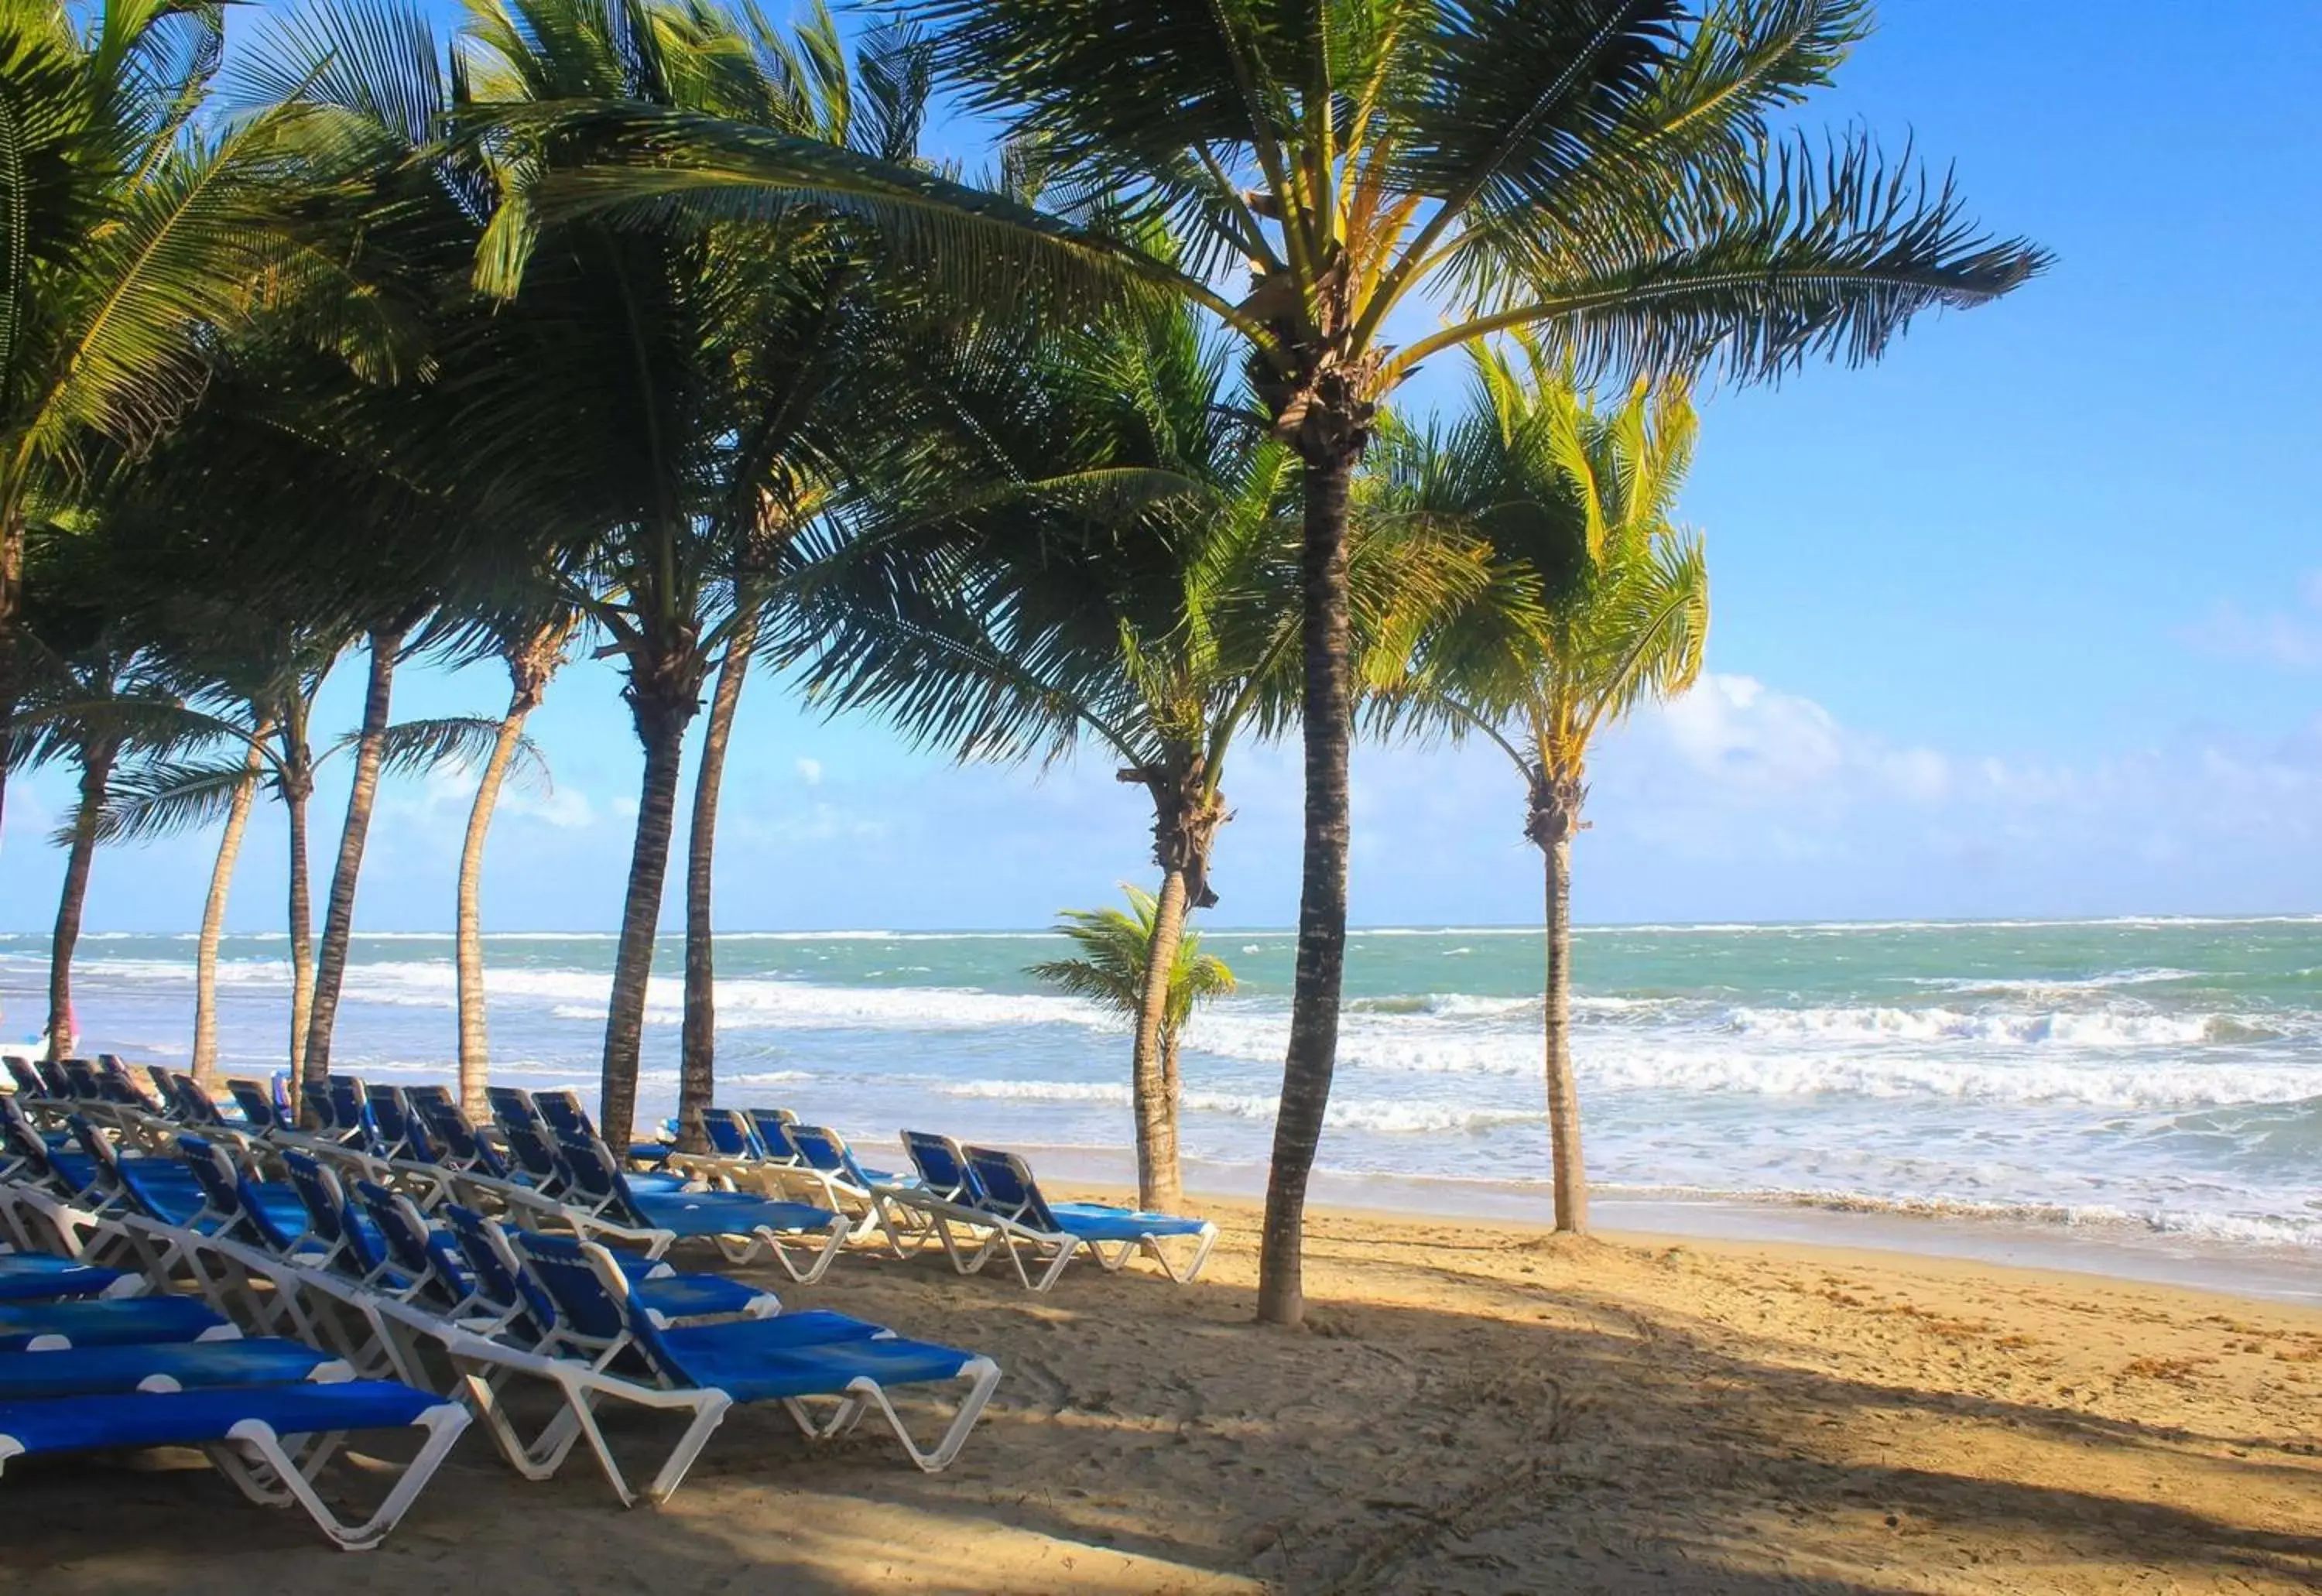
point(981, 1375)
point(444, 1425)
point(710, 1414)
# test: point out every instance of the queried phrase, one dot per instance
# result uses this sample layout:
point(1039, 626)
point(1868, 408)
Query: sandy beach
point(1473, 1407)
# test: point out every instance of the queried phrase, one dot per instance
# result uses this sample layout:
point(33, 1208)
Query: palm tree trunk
point(1323, 894)
point(12, 604)
point(697, 1080)
point(296, 790)
point(661, 720)
point(1159, 1182)
point(529, 669)
point(1563, 1101)
point(339, 916)
point(95, 771)
point(205, 951)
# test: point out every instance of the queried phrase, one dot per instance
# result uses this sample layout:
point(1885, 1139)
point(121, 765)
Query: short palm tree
point(1403, 179)
point(1115, 968)
point(1602, 606)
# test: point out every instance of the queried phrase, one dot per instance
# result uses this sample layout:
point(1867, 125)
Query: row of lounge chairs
point(290, 1285)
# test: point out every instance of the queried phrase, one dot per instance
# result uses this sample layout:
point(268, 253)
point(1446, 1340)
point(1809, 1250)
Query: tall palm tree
point(1603, 607)
point(713, 373)
point(137, 232)
point(1115, 967)
point(1095, 551)
point(1606, 173)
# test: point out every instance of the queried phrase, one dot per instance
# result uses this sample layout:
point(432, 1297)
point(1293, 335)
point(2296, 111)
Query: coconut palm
point(534, 650)
point(1404, 177)
point(138, 231)
point(1603, 607)
point(1115, 968)
point(1096, 553)
point(713, 374)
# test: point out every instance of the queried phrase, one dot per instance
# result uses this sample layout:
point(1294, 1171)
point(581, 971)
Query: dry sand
point(1472, 1409)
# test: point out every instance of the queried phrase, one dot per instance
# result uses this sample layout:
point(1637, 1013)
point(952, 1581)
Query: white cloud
point(809, 771)
point(2291, 639)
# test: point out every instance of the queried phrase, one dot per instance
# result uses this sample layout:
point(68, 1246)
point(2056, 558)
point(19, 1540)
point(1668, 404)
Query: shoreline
point(2122, 1253)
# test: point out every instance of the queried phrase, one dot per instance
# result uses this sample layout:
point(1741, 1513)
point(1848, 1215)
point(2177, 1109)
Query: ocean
point(2162, 1076)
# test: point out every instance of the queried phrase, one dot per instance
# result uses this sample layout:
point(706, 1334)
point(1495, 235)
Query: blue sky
point(2025, 621)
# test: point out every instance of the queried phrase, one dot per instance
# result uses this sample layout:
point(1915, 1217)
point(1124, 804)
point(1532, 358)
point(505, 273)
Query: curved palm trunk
point(529, 669)
point(661, 718)
point(205, 951)
point(1323, 895)
point(697, 1080)
point(339, 916)
point(1153, 1066)
point(96, 772)
point(12, 603)
point(295, 795)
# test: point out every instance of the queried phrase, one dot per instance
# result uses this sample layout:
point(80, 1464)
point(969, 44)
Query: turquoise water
point(2158, 1073)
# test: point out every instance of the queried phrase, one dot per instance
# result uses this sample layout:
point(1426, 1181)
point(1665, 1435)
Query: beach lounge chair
point(28, 1082)
point(258, 1113)
point(742, 1226)
point(761, 1360)
point(42, 1327)
point(256, 1435)
point(176, 1366)
point(1050, 1235)
point(398, 1133)
point(41, 1277)
point(457, 1144)
point(773, 1129)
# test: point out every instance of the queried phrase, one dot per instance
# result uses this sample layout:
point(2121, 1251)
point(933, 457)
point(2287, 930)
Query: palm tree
point(89, 699)
point(1604, 606)
point(137, 232)
point(533, 650)
point(713, 374)
point(1096, 553)
point(1115, 968)
point(1606, 173)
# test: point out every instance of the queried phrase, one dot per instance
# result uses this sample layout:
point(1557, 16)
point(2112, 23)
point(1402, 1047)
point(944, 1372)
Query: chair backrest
point(534, 1155)
point(116, 1084)
point(257, 1105)
point(456, 1139)
point(597, 1175)
point(943, 1167)
point(53, 1076)
point(413, 1246)
point(111, 1181)
point(501, 1280)
point(351, 1114)
point(402, 1134)
point(231, 1199)
point(730, 1135)
point(773, 1129)
point(80, 1081)
point(28, 1080)
point(592, 1297)
point(564, 1113)
point(22, 1140)
point(827, 1150)
point(1009, 1188)
point(165, 1082)
point(511, 1103)
point(315, 1099)
point(330, 1217)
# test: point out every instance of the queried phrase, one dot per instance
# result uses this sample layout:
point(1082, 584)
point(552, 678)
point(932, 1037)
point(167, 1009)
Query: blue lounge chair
point(29, 1083)
point(501, 1284)
point(259, 1112)
point(181, 1366)
point(1052, 1233)
point(759, 1361)
point(253, 1434)
point(457, 1145)
point(37, 1277)
point(42, 1327)
point(742, 1226)
point(773, 1129)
